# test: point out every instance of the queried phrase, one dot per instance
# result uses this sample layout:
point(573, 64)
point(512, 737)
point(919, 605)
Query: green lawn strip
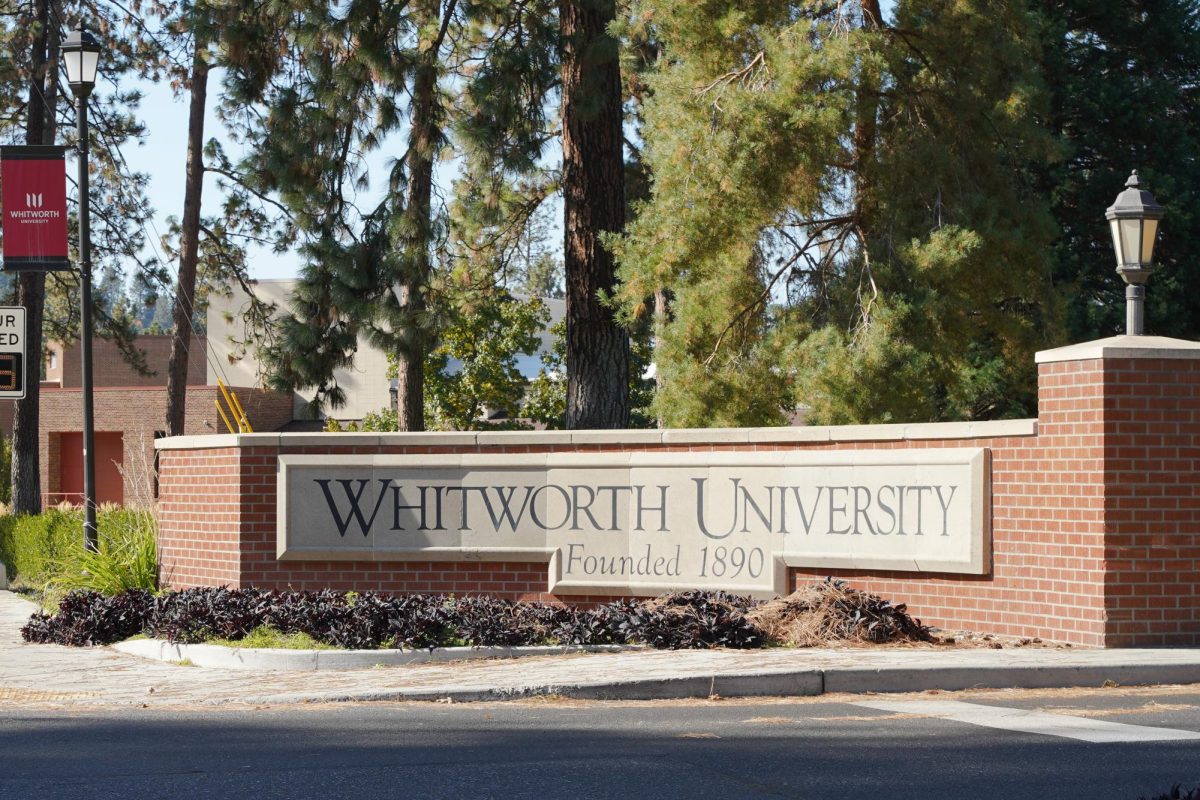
point(266, 637)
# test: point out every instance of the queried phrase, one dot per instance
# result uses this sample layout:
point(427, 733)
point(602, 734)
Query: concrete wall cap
point(502, 438)
point(347, 439)
point(218, 440)
point(624, 437)
point(487, 439)
point(706, 435)
point(1122, 347)
point(806, 433)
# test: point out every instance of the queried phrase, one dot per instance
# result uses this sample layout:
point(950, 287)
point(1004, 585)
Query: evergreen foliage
point(39, 110)
point(878, 218)
point(1122, 85)
point(310, 112)
point(900, 275)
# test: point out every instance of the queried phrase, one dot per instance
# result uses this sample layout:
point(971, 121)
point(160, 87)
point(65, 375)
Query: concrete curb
point(785, 683)
point(251, 658)
point(791, 683)
point(884, 680)
point(111, 676)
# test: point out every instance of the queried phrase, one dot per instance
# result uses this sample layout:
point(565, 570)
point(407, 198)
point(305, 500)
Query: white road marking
point(1017, 719)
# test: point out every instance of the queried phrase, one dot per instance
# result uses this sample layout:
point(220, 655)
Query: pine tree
point(532, 53)
point(733, 146)
point(40, 126)
point(194, 21)
point(841, 211)
point(118, 202)
point(1122, 85)
point(334, 93)
point(414, 228)
point(182, 42)
point(958, 241)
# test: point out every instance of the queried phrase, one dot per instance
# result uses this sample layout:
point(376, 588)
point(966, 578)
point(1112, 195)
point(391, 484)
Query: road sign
point(12, 352)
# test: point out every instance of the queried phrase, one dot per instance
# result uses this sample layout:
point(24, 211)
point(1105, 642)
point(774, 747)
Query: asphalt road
point(827, 747)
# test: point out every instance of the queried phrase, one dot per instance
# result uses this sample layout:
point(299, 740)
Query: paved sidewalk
point(50, 674)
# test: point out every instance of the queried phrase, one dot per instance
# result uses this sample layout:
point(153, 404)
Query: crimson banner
point(33, 196)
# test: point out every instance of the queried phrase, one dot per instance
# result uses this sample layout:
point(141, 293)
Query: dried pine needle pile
point(831, 612)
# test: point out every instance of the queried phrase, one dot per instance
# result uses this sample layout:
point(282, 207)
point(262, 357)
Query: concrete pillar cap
point(1122, 347)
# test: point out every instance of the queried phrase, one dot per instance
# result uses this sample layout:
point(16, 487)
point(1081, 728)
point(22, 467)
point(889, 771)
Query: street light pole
point(90, 539)
point(80, 55)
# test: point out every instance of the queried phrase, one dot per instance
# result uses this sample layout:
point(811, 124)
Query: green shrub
point(127, 557)
point(46, 550)
point(31, 544)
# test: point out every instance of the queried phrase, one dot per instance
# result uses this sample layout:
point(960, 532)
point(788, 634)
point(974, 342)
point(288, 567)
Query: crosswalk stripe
point(1017, 719)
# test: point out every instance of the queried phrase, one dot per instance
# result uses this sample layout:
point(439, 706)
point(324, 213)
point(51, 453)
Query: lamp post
point(80, 54)
point(1134, 218)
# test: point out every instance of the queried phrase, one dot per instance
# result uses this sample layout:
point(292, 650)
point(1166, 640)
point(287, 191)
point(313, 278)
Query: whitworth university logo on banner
point(646, 522)
point(34, 203)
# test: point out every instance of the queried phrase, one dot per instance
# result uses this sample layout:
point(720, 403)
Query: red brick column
point(200, 517)
point(1146, 390)
point(1062, 503)
point(1152, 508)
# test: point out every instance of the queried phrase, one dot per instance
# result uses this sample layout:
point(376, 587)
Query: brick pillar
point(1121, 418)
point(200, 514)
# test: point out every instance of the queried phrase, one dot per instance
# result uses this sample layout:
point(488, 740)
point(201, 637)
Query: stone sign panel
point(636, 523)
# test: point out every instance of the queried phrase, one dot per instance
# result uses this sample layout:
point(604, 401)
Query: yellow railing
point(235, 411)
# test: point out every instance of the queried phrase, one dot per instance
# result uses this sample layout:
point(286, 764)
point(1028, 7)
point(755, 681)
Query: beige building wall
point(366, 384)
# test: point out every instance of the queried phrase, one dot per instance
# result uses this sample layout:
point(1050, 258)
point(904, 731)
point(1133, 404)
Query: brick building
point(130, 413)
point(64, 364)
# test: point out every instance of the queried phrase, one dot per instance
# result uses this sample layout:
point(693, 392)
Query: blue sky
point(163, 156)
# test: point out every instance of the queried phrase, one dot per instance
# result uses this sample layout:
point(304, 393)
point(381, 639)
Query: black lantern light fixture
point(1134, 219)
point(80, 56)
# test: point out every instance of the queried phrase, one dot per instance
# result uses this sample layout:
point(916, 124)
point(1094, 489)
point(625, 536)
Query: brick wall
point(1095, 509)
point(1151, 505)
point(110, 370)
point(200, 525)
point(1048, 568)
point(139, 414)
point(109, 367)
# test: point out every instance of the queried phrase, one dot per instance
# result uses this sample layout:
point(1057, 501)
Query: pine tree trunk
point(662, 312)
point(189, 246)
point(417, 226)
point(594, 203)
point(410, 391)
point(31, 286)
